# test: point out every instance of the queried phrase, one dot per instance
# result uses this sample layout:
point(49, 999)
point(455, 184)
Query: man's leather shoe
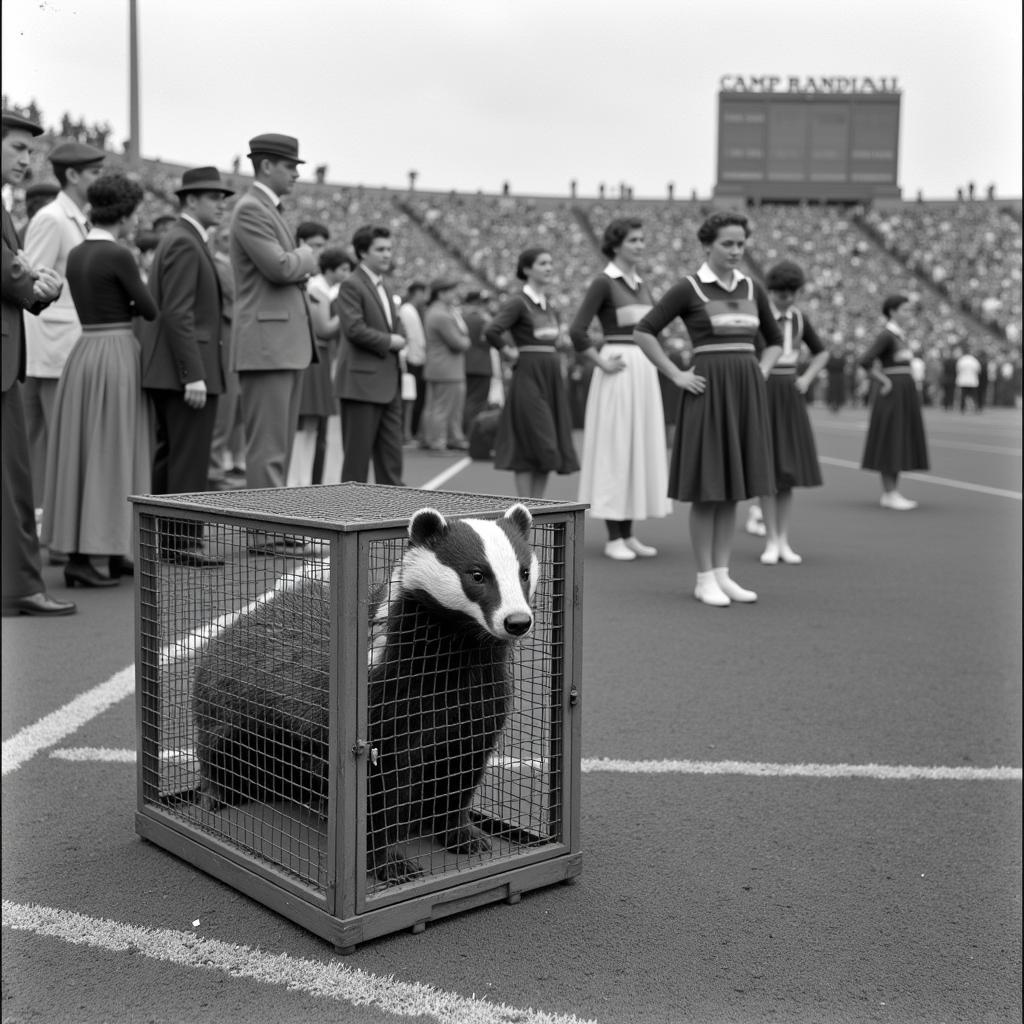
point(194, 558)
point(39, 604)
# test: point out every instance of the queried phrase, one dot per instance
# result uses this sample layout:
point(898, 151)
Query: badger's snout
point(518, 623)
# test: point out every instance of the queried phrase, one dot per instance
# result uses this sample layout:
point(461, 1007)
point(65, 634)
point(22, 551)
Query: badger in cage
point(439, 678)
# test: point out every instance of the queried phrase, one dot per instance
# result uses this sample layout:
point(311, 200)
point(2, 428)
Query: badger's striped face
point(482, 569)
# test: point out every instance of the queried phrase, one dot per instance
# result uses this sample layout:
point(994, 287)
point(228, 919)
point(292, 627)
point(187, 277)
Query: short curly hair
point(527, 258)
point(616, 232)
point(708, 231)
point(113, 197)
point(785, 276)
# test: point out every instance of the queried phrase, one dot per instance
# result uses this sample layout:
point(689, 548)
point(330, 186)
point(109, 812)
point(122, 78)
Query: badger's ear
point(426, 525)
point(519, 516)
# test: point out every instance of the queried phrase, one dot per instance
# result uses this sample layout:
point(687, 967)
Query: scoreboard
point(822, 146)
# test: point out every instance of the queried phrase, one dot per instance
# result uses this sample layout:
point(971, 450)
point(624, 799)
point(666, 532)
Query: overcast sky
point(471, 93)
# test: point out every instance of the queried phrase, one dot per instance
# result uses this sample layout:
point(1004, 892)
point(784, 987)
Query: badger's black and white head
point(478, 569)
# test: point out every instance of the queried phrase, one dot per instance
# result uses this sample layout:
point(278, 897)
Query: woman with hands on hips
point(624, 470)
point(722, 449)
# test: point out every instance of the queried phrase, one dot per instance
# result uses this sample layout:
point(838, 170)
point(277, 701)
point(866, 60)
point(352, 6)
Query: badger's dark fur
point(439, 687)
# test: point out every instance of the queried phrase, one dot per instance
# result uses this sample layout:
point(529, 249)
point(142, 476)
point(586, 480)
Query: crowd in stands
point(971, 251)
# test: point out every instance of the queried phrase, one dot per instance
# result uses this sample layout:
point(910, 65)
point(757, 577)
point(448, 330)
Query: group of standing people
point(126, 417)
point(743, 429)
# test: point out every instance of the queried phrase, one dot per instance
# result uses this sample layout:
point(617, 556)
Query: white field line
point(442, 478)
point(927, 478)
point(884, 772)
point(321, 979)
point(57, 725)
point(933, 442)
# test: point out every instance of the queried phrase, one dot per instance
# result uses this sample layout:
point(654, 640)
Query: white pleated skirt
point(624, 469)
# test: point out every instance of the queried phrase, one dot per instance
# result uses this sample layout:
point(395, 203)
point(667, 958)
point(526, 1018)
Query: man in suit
point(272, 338)
point(369, 373)
point(182, 362)
point(22, 287)
point(50, 236)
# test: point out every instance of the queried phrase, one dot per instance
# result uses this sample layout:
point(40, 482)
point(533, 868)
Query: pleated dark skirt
point(896, 440)
point(535, 430)
point(795, 455)
point(722, 449)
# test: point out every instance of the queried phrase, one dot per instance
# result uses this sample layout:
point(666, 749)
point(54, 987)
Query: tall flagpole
point(134, 148)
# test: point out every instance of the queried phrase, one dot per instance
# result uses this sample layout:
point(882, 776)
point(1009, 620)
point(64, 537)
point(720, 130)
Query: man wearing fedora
point(272, 337)
point(182, 362)
point(50, 236)
point(22, 287)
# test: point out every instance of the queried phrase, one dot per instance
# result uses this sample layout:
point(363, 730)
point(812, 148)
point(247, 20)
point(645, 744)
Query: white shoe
point(732, 589)
point(709, 592)
point(896, 501)
point(755, 526)
point(618, 550)
point(788, 555)
point(770, 555)
point(643, 550)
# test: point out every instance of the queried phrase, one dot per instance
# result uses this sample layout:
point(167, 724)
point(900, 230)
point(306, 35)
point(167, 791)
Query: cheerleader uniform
point(895, 440)
point(795, 456)
point(535, 429)
point(722, 449)
point(101, 442)
point(624, 468)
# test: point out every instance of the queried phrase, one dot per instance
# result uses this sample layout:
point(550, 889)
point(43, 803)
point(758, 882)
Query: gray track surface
point(703, 898)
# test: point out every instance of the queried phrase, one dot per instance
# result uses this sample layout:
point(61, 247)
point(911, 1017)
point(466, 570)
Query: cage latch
point(361, 746)
point(574, 697)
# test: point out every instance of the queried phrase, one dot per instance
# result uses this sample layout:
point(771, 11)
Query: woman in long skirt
point(794, 453)
point(722, 448)
point(101, 443)
point(535, 430)
point(896, 440)
point(624, 471)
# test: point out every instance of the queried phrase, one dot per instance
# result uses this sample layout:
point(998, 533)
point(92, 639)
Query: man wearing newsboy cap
point(49, 238)
point(182, 355)
point(22, 287)
point(272, 337)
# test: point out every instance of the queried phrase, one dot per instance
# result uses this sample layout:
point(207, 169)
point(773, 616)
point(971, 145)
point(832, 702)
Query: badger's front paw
point(396, 869)
point(466, 839)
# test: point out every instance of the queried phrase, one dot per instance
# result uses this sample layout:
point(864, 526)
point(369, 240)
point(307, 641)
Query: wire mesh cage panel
point(332, 745)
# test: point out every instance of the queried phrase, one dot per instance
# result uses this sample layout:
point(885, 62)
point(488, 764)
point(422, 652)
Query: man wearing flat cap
point(50, 236)
point(272, 337)
point(33, 288)
point(182, 355)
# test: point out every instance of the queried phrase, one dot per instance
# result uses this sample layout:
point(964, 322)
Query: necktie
point(787, 336)
point(386, 300)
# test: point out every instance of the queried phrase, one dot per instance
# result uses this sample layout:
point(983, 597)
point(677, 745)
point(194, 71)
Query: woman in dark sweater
point(535, 431)
point(101, 442)
point(895, 441)
point(722, 452)
point(624, 476)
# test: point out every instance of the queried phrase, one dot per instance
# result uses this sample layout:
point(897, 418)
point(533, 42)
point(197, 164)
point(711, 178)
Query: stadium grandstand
point(959, 260)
